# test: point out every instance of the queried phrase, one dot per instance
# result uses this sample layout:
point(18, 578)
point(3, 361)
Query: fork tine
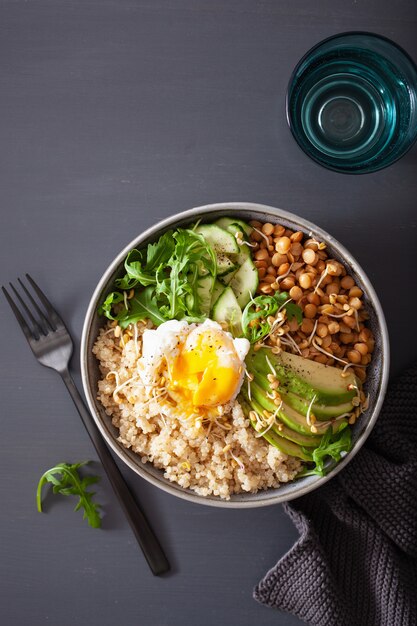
point(41, 314)
point(21, 320)
point(53, 315)
point(37, 326)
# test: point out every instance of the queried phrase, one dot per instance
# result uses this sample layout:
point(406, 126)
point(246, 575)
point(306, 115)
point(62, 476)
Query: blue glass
point(352, 103)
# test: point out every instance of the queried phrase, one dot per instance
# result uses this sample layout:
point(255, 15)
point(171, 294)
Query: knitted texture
point(355, 563)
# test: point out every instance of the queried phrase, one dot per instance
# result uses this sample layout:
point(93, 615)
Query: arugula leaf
point(160, 252)
point(332, 445)
point(191, 252)
point(254, 317)
point(293, 310)
point(142, 306)
point(170, 276)
point(67, 482)
point(135, 273)
point(115, 297)
point(139, 272)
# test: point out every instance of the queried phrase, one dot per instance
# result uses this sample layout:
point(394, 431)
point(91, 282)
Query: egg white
point(161, 347)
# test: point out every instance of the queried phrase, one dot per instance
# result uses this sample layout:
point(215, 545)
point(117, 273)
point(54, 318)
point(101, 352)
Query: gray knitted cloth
point(355, 563)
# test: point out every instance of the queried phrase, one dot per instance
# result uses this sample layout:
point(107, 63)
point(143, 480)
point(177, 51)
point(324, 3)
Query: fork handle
point(144, 534)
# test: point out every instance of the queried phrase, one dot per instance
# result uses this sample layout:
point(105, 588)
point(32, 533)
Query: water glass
point(352, 103)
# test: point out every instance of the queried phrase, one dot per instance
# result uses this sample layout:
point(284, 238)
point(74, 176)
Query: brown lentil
point(321, 286)
point(296, 293)
point(310, 310)
point(283, 245)
point(261, 255)
point(362, 348)
point(283, 269)
point(279, 230)
point(268, 229)
point(322, 330)
point(347, 282)
point(278, 259)
point(355, 303)
point(296, 249)
point(354, 356)
point(297, 236)
point(334, 328)
point(355, 292)
point(309, 256)
point(305, 281)
point(287, 283)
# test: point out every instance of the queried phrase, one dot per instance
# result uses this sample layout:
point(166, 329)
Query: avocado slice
point(320, 411)
point(303, 377)
point(323, 412)
point(290, 418)
point(326, 379)
point(297, 420)
point(284, 445)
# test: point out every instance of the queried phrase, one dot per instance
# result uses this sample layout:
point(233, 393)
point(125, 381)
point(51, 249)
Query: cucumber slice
point(227, 278)
point(202, 303)
point(205, 287)
point(240, 258)
point(217, 292)
point(222, 241)
point(245, 282)
point(224, 265)
point(234, 225)
point(227, 309)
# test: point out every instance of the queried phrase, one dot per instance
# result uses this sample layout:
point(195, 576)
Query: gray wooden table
point(113, 115)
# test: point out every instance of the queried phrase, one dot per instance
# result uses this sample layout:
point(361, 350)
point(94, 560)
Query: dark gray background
point(115, 114)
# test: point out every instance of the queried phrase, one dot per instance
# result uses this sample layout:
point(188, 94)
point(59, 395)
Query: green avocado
point(303, 377)
point(287, 447)
point(278, 441)
point(284, 427)
point(291, 419)
point(297, 405)
point(321, 411)
point(295, 419)
point(304, 386)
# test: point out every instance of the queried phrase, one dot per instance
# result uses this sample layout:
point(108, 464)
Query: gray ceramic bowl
point(375, 385)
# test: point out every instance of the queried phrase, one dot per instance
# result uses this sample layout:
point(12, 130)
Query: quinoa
point(220, 459)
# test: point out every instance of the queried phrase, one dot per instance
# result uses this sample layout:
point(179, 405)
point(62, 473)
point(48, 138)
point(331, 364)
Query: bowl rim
point(222, 208)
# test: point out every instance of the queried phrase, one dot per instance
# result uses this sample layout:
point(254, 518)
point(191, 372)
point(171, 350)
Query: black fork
point(52, 345)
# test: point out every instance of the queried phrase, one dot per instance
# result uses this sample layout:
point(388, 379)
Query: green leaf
point(254, 317)
point(106, 307)
point(66, 481)
point(159, 253)
point(169, 270)
point(331, 446)
point(142, 306)
point(293, 310)
point(136, 274)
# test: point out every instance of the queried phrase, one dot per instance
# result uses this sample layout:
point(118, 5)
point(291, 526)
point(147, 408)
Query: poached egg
point(203, 366)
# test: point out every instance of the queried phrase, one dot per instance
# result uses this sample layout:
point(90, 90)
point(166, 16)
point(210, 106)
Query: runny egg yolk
point(208, 371)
